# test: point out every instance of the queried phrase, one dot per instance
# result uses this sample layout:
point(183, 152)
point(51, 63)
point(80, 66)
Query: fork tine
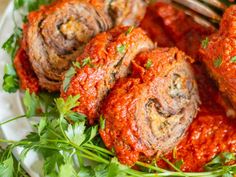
point(216, 3)
point(200, 8)
point(196, 17)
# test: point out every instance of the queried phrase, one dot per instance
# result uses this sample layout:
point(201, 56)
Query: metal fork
point(205, 12)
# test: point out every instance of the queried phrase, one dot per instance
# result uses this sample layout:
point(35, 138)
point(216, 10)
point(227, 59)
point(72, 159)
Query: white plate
point(11, 105)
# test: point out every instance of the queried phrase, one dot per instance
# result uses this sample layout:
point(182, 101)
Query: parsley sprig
point(65, 147)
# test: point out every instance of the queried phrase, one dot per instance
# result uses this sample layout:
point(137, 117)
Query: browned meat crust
point(219, 55)
point(149, 112)
point(57, 33)
point(110, 54)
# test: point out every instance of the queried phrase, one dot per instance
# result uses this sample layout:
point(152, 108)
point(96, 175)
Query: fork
point(205, 12)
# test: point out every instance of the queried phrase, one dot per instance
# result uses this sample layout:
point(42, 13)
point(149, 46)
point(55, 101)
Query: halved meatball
point(108, 57)
point(148, 113)
point(218, 52)
point(56, 35)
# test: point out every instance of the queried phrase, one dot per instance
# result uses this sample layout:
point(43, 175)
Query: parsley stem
point(7, 141)
point(12, 119)
point(150, 167)
point(92, 147)
point(62, 130)
point(100, 153)
point(89, 153)
point(91, 158)
point(172, 165)
point(55, 133)
point(134, 173)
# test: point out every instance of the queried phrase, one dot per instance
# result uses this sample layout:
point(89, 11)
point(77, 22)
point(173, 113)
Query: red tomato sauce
point(211, 132)
point(28, 79)
point(170, 27)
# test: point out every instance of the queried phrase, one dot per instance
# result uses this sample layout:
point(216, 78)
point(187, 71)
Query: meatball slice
point(218, 52)
point(106, 58)
point(148, 113)
point(56, 35)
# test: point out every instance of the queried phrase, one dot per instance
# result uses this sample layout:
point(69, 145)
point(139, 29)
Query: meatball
point(56, 35)
point(108, 57)
point(218, 52)
point(148, 112)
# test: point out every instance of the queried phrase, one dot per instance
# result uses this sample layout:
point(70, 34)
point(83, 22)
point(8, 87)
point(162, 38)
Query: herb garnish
point(121, 48)
point(68, 76)
point(102, 122)
point(10, 79)
point(71, 72)
point(148, 64)
point(76, 64)
point(217, 62)
point(64, 148)
point(233, 59)
point(87, 61)
point(130, 29)
point(205, 43)
point(32, 104)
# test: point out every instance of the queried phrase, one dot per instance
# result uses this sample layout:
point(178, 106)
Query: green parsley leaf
point(7, 168)
point(11, 45)
point(42, 125)
point(68, 76)
point(76, 133)
point(67, 170)
point(121, 48)
point(86, 61)
point(101, 170)
point(76, 64)
point(10, 79)
point(148, 64)
point(76, 117)
point(64, 106)
point(9, 70)
point(86, 172)
point(233, 59)
point(102, 122)
point(31, 103)
point(32, 137)
point(18, 4)
point(47, 100)
point(179, 163)
point(217, 62)
point(8, 45)
point(220, 160)
point(115, 168)
point(91, 132)
point(205, 43)
point(30, 5)
point(10, 82)
point(52, 162)
point(130, 29)
point(227, 175)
